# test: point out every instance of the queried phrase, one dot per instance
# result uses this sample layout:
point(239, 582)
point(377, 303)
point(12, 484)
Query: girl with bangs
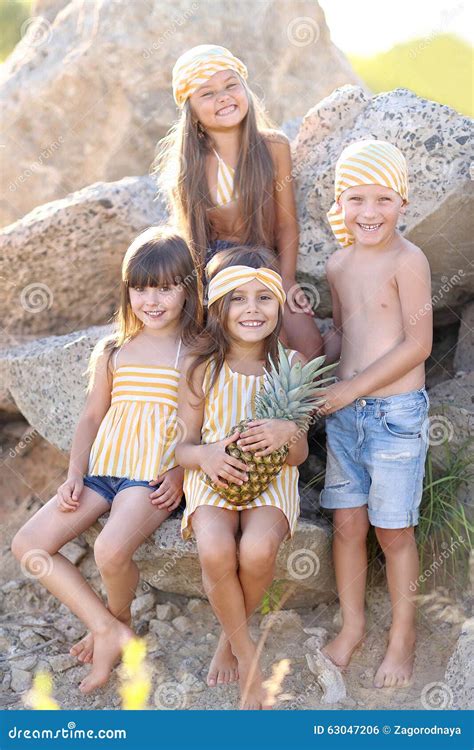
point(237, 545)
point(123, 453)
point(227, 175)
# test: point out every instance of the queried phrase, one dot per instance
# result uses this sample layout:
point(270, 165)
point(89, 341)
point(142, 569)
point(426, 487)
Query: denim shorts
point(108, 487)
point(376, 452)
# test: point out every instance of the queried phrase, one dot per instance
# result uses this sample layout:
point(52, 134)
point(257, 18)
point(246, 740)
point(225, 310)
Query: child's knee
point(351, 524)
point(258, 555)
point(395, 540)
point(109, 556)
point(220, 555)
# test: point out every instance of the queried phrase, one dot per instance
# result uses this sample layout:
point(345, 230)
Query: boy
point(381, 291)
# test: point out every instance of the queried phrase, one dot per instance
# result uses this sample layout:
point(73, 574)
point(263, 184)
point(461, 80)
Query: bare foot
point(341, 648)
point(84, 649)
point(253, 696)
point(397, 667)
point(108, 646)
point(223, 669)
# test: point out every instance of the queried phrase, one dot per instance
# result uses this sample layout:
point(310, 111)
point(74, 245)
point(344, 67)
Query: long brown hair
point(158, 256)
point(181, 174)
point(214, 342)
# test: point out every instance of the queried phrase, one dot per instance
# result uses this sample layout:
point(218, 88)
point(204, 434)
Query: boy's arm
point(333, 338)
point(414, 289)
point(298, 446)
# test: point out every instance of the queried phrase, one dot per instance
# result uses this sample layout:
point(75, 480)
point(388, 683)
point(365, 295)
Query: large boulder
point(459, 677)
point(61, 263)
point(87, 91)
point(304, 565)
point(46, 379)
point(434, 140)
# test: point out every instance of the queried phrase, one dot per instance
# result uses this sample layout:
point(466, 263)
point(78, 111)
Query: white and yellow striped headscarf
point(368, 162)
point(197, 65)
point(230, 278)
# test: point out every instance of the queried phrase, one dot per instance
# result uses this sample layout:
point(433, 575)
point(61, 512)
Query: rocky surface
point(459, 675)
point(87, 93)
point(60, 264)
point(434, 140)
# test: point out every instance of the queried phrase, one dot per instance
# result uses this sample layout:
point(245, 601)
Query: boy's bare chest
point(372, 290)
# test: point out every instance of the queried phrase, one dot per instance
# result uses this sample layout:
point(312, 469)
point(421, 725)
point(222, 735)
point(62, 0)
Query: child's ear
point(403, 207)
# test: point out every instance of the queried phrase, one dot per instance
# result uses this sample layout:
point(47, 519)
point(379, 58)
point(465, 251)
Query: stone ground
point(36, 632)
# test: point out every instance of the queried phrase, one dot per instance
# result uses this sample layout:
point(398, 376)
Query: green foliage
point(272, 597)
point(437, 67)
point(13, 13)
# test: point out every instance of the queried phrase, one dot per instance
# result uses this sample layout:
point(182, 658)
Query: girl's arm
point(96, 406)
point(286, 222)
point(190, 414)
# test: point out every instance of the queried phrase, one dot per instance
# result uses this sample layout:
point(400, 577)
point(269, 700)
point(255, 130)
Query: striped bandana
point(368, 162)
point(197, 65)
point(230, 278)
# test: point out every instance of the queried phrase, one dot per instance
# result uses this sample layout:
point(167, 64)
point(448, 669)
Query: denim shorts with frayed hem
point(108, 487)
point(376, 452)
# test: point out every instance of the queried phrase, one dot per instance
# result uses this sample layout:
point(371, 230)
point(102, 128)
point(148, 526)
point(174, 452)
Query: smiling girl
point(123, 447)
point(228, 178)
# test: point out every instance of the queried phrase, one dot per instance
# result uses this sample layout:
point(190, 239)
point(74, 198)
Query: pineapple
point(287, 393)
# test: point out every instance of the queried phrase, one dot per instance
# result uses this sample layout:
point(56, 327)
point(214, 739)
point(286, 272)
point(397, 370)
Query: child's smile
point(253, 312)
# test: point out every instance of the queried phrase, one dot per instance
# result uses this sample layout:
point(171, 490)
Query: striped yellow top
point(225, 182)
point(138, 435)
point(230, 400)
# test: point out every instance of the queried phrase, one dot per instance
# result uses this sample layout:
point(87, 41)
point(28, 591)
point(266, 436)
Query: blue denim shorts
point(376, 452)
point(108, 487)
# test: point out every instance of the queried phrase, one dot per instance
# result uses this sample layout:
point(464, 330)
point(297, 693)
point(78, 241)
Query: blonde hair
point(181, 174)
point(158, 256)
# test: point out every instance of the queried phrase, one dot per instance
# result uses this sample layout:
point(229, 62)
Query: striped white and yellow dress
point(138, 435)
point(230, 400)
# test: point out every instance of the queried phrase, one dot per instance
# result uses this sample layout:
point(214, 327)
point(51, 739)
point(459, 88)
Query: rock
point(61, 263)
point(62, 662)
point(161, 629)
point(184, 625)
point(318, 639)
point(74, 552)
point(29, 638)
point(304, 563)
point(142, 604)
point(27, 663)
point(190, 664)
point(167, 611)
point(199, 608)
point(433, 139)
point(170, 695)
point(21, 680)
point(191, 684)
point(464, 355)
point(459, 677)
point(329, 678)
point(87, 107)
point(337, 619)
point(282, 620)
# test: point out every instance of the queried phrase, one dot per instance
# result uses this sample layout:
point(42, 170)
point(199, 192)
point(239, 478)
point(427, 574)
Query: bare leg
point(350, 562)
point(401, 558)
point(211, 524)
point(263, 530)
point(36, 545)
point(302, 333)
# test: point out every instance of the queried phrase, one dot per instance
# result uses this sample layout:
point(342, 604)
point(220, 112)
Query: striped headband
point(230, 278)
point(368, 162)
point(197, 65)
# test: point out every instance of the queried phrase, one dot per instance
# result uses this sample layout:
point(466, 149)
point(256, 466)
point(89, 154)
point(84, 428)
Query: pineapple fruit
point(288, 392)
